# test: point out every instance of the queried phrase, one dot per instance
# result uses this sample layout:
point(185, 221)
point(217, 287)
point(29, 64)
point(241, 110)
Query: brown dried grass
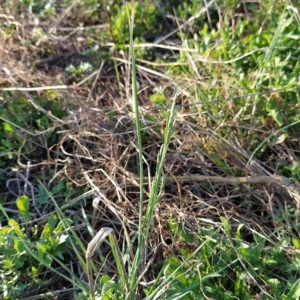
point(97, 152)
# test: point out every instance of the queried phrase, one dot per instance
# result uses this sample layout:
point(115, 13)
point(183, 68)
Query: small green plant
point(79, 71)
point(22, 127)
point(227, 267)
point(145, 20)
point(40, 8)
point(263, 60)
point(29, 249)
point(26, 251)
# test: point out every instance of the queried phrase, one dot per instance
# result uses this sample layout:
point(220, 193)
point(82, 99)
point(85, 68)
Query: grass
point(149, 150)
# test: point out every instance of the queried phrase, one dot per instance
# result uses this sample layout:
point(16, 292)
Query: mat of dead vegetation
point(95, 145)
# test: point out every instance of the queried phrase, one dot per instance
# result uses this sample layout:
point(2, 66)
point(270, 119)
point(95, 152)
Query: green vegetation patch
point(149, 150)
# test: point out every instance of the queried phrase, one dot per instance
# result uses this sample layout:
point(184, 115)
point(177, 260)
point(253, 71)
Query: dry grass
point(96, 147)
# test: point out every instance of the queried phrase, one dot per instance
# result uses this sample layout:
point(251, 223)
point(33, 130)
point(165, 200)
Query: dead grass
point(96, 152)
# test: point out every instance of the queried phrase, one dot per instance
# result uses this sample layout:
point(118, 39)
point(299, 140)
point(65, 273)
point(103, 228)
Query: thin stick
point(292, 189)
point(35, 89)
point(228, 180)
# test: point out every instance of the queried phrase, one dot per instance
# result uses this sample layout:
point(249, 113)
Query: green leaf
point(226, 225)
point(295, 290)
point(34, 270)
point(52, 221)
point(173, 225)
point(104, 279)
point(238, 234)
point(4, 230)
point(60, 255)
point(47, 231)
point(44, 257)
point(296, 262)
point(60, 226)
point(23, 206)
point(43, 246)
point(49, 227)
point(274, 282)
point(7, 127)
point(276, 116)
point(108, 288)
point(19, 246)
point(15, 226)
point(7, 264)
point(186, 236)
point(296, 243)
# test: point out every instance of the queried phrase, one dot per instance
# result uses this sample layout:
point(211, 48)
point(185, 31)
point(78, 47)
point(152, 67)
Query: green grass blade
point(135, 110)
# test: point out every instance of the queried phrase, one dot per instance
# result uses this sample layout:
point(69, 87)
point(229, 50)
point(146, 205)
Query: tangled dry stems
point(104, 150)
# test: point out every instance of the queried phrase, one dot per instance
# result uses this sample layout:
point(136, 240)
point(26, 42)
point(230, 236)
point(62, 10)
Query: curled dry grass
point(105, 150)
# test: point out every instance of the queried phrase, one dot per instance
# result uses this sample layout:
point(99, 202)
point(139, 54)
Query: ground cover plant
point(149, 149)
